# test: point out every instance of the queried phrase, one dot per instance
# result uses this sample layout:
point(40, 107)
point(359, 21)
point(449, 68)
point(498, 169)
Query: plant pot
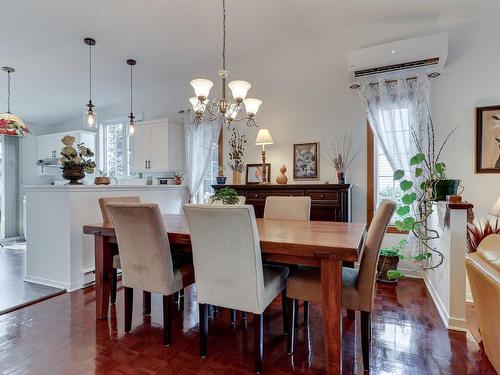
point(444, 188)
point(221, 180)
point(73, 173)
point(341, 177)
point(102, 180)
point(385, 264)
point(236, 178)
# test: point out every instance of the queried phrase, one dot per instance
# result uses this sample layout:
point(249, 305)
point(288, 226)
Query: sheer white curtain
point(199, 140)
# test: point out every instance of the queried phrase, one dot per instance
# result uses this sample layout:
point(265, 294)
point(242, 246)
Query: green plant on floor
point(419, 194)
point(394, 251)
point(225, 195)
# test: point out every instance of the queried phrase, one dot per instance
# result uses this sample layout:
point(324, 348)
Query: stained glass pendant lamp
point(90, 117)
point(10, 124)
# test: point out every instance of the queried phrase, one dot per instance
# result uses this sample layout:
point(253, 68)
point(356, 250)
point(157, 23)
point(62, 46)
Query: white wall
point(304, 88)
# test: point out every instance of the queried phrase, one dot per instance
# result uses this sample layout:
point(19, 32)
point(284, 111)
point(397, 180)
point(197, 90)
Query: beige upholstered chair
point(483, 269)
point(241, 201)
point(146, 258)
point(106, 219)
point(358, 285)
point(228, 266)
point(288, 208)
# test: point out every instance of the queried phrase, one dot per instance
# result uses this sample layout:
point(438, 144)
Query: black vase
point(221, 180)
point(341, 177)
point(444, 188)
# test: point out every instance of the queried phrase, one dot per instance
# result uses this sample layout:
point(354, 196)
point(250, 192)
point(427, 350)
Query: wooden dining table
point(322, 244)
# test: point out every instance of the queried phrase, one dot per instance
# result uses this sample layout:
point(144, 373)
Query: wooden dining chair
point(106, 219)
point(358, 285)
point(228, 267)
point(146, 259)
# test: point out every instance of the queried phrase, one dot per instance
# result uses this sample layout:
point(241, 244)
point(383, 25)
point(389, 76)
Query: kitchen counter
point(58, 254)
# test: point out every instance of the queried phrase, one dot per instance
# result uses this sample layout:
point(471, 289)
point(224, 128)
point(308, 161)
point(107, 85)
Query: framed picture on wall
point(305, 161)
point(488, 139)
point(254, 173)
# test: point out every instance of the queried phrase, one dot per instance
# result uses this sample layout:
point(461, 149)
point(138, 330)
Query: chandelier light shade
point(90, 116)
point(10, 124)
point(228, 110)
point(131, 124)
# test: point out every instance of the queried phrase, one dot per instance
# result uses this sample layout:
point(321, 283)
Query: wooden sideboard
point(330, 202)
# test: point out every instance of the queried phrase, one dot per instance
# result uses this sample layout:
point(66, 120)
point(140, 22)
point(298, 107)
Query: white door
point(159, 147)
point(140, 147)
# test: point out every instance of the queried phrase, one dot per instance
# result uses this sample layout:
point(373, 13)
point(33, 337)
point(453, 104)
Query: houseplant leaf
point(409, 198)
point(419, 172)
point(398, 174)
point(417, 159)
point(405, 185)
point(395, 274)
point(403, 210)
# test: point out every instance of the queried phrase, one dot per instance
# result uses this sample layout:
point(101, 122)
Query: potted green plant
point(389, 260)
point(75, 162)
point(225, 195)
point(221, 179)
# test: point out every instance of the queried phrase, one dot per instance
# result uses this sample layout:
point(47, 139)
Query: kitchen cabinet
point(157, 146)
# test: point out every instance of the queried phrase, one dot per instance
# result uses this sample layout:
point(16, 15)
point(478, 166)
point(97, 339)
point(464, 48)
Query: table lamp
point(495, 210)
point(264, 138)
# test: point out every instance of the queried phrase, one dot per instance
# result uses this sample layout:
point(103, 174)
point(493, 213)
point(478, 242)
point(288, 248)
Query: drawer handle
point(256, 195)
point(322, 195)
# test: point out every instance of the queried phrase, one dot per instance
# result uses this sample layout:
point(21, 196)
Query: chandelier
point(10, 124)
point(228, 110)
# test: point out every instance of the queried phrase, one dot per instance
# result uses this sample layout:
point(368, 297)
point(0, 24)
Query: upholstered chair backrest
point(226, 256)
point(241, 201)
point(288, 208)
point(371, 249)
point(146, 260)
point(103, 202)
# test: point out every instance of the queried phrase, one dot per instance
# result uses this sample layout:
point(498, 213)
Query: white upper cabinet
point(157, 146)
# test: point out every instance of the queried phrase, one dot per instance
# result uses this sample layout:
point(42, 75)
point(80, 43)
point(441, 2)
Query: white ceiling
point(177, 40)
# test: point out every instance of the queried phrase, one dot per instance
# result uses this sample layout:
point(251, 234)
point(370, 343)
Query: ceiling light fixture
point(10, 124)
point(90, 115)
point(225, 109)
point(131, 124)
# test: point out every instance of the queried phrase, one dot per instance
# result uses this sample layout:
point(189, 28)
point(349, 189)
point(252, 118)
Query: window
point(213, 171)
point(115, 148)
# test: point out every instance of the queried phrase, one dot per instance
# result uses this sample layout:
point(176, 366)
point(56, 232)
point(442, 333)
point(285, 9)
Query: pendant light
point(11, 124)
point(131, 124)
point(90, 116)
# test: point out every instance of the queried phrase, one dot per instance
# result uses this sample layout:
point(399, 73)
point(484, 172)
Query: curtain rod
point(356, 86)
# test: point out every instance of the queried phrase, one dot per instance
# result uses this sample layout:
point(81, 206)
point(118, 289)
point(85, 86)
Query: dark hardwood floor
point(14, 291)
point(61, 336)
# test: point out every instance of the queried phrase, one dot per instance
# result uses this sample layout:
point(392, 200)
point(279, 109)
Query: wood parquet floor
point(61, 336)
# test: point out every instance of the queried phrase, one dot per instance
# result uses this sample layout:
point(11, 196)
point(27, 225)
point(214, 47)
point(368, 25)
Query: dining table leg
point(331, 289)
point(103, 274)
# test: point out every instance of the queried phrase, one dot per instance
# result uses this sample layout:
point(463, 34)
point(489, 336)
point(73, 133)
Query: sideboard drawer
point(318, 195)
point(263, 194)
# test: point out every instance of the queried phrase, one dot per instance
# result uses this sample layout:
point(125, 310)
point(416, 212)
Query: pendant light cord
point(131, 88)
point(90, 73)
point(8, 92)
point(224, 34)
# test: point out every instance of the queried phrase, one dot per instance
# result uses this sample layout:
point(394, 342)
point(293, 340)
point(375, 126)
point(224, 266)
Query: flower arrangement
point(338, 153)
point(76, 158)
point(237, 148)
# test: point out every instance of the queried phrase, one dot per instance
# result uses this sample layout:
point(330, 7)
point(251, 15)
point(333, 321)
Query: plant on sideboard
point(237, 143)
point(75, 162)
point(338, 153)
point(225, 195)
point(421, 189)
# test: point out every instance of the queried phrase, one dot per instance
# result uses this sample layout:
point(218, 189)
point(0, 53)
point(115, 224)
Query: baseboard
point(70, 287)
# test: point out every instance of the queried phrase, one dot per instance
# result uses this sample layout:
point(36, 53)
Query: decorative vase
point(386, 263)
point(221, 180)
point(102, 180)
point(73, 173)
point(178, 180)
point(236, 178)
point(341, 177)
point(444, 188)
point(282, 179)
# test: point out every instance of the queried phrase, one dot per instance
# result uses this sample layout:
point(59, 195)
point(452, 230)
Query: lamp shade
point(90, 119)
point(239, 89)
point(252, 105)
point(202, 87)
point(11, 124)
point(495, 210)
point(264, 138)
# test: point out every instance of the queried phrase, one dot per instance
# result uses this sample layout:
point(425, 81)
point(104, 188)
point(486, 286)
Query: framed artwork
point(488, 139)
point(254, 173)
point(305, 161)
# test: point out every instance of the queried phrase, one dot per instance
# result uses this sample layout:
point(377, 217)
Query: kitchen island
point(57, 252)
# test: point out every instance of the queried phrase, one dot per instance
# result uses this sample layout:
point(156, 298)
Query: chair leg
point(167, 319)
point(291, 321)
point(243, 315)
point(296, 314)
point(284, 311)
point(306, 312)
point(351, 314)
point(146, 302)
point(259, 342)
point(129, 304)
point(232, 313)
point(203, 329)
point(114, 281)
point(365, 339)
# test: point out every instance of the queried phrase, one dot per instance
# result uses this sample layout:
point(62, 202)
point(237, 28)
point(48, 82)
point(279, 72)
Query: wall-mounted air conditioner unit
point(427, 52)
